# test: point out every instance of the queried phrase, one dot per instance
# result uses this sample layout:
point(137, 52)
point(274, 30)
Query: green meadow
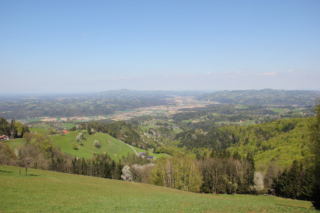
point(110, 145)
point(46, 191)
point(113, 147)
point(279, 110)
point(41, 131)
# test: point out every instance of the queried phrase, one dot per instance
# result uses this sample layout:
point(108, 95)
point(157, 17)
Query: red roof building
point(4, 137)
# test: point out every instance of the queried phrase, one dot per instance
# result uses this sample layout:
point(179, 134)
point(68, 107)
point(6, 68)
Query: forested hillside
point(264, 97)
point(282, 140)
point(197, 138)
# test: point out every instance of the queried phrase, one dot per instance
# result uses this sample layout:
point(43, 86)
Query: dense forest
point(278, 141)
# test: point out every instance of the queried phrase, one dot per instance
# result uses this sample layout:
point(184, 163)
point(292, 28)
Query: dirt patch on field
point(79, 118)
point(48, 119)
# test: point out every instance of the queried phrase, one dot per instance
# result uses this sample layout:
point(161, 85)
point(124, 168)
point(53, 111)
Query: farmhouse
point(142, 154)
point(4, 137)
point(150, 158)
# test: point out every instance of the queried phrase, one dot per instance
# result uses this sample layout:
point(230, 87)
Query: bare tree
point(28, 161)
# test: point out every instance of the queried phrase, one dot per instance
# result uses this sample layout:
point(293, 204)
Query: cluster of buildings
point(143, 155)
point(4, 137)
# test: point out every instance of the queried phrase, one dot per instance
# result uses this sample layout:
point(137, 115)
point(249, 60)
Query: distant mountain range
point(124, 93)
point(263, 97)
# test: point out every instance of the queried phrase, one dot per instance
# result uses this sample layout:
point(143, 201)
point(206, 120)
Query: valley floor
point(45, 191)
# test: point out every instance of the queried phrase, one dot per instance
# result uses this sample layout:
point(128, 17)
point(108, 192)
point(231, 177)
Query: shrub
point(74, 146)
point(96, 144)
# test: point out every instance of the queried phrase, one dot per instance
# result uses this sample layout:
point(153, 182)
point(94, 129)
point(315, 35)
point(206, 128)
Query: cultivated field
point(45, 191)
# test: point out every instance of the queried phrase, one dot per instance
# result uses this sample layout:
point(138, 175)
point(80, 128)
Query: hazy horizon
point(95, 92)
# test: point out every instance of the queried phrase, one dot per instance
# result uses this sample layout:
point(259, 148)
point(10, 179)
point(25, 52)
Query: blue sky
point(88, 46)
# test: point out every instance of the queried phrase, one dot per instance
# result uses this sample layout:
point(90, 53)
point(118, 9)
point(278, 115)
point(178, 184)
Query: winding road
point(131, 148)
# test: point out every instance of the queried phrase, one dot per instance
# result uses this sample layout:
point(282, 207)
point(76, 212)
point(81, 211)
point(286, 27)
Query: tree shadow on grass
point(32, 175)
point(6, 171)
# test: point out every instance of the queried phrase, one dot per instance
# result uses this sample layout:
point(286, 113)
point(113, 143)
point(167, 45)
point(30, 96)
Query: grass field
point(41, 131)
point(45, 191)
point(279, 110)
point(113, 147)
point(242, 107)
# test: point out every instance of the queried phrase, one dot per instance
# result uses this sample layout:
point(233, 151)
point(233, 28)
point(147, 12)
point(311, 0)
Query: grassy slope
point(110, 145)
point(44, 191)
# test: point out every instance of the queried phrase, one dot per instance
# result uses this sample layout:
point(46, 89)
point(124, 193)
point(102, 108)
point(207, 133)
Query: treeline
point(220, 172)
point(299, 182)
point(179, 173)
point(225, 173)
point(14, 129)
point(100, 165)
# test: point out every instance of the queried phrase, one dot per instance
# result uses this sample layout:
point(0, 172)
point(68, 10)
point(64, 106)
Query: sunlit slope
point(113, 147)
point(110, 145)
point(45, 191)
point(280, 141)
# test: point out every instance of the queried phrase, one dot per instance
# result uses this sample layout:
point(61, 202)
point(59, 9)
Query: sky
point(91, 46)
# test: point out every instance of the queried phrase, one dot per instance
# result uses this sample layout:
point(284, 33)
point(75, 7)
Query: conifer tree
point(89, 129)
point(83, 167)
point(281, 187)
point(293, 180)
point(107, 168)
point(250, 175)
point(307, 189)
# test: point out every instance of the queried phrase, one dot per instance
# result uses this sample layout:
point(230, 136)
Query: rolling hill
point(263, 97)
point(110, 145)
